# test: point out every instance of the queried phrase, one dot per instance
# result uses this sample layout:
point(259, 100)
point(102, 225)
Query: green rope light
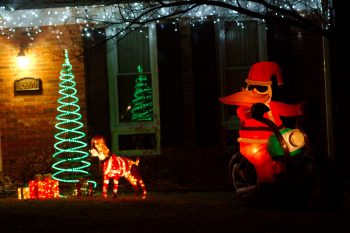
point(70, 152)
point(142, 109)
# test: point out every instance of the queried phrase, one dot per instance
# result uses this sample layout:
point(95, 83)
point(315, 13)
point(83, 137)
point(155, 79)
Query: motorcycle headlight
point(297, 138)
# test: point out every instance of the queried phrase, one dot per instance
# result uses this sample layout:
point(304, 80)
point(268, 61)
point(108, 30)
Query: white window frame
point(128, 128)
point(222, 54)
point(233, 123)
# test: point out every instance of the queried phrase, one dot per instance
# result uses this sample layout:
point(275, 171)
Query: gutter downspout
point(328, 99)
point(328, 85)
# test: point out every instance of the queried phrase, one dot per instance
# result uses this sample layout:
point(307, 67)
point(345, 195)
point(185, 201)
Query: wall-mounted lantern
point(22, 59)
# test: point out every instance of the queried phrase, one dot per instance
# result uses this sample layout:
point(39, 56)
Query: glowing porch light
point(22, 59)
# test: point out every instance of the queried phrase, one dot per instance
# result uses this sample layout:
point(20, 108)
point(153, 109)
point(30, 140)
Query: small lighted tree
point(71, 151)
point(142, 104)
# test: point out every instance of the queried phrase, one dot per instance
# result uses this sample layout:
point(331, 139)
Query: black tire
point(243, 177)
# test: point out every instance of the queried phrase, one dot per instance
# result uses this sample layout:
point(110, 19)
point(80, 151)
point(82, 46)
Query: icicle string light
point(119, 16)
point(70, 154)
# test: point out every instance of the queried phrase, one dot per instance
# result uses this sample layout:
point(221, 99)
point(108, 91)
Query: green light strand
point(70, 148)
point(142, 109)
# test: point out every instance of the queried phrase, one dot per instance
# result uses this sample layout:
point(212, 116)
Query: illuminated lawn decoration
point(40, 188)
point(23, 193)
point(71, 150)
point(254, 135)
point(142, 104)
point(115, 167)
point(43, 188)
point(294, 138)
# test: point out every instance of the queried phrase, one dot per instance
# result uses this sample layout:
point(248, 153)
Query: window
point(240, 46)
point(134, 93)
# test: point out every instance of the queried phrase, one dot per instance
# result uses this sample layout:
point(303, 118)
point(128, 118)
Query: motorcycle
point(298, 182)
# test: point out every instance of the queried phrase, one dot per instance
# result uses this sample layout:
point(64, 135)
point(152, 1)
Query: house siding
point(187, 84)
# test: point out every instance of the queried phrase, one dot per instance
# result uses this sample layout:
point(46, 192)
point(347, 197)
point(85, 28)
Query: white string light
point(93, 16)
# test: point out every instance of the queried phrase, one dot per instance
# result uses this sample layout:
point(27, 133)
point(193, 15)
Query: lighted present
point(43, 188)
point(84, 188)
point(23, 193)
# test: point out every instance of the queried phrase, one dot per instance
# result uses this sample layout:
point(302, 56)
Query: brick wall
point(28, 121)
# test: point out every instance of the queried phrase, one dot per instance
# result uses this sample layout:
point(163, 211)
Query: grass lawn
point(161, 212)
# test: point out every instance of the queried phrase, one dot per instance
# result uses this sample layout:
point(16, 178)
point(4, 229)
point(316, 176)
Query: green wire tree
point(142, 103)
point(71, 150)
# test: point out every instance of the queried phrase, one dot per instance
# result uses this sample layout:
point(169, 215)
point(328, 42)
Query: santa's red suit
point(253, 135)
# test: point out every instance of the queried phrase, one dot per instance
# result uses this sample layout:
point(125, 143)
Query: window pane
point(242, 50)
point(133, 50)
point(135, 97)
point(235, 80)
point(242, 45)
point(125, 96)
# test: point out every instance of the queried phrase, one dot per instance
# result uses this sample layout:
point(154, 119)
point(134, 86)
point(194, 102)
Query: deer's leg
point(115, 186)
point(136, 181)
point(105, 187)
point(143, 188)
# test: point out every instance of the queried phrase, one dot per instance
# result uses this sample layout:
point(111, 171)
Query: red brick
point(29, 120)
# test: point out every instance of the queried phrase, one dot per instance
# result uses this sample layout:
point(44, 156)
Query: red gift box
point(43, 188)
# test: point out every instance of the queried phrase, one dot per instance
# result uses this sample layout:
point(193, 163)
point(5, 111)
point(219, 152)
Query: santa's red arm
point(287, 110)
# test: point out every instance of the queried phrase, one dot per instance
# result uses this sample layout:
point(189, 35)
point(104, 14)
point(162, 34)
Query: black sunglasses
point(257, 87)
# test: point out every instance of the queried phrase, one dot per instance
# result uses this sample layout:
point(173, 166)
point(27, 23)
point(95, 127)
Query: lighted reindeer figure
point(115, 167)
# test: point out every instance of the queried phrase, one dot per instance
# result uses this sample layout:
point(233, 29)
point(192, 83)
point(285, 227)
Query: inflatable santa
point(254, 135)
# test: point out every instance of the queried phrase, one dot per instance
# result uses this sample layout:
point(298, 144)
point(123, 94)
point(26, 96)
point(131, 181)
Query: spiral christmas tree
point(71, 151)
point(142, 109)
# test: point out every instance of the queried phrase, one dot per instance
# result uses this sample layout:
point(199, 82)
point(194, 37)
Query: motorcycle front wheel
point(243, 177)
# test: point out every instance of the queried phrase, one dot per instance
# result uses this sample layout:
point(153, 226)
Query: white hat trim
point(261, 83)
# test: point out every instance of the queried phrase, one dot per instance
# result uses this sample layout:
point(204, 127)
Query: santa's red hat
point(261, 73)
